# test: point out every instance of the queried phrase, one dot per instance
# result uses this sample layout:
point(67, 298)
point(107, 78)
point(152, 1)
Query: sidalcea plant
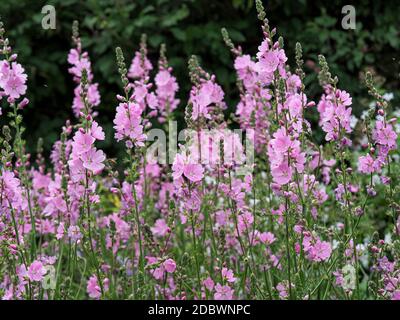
point(302, 220)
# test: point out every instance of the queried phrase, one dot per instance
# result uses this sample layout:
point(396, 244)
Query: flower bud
point(23, 103)
point(311, 104)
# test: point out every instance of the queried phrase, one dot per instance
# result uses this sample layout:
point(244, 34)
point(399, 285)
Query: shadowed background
point(191, 27)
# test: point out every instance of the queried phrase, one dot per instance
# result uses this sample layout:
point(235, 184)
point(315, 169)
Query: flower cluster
point(79, 61)
point(12, 75)
point(84, 156)
point(127, 124)
point(384, 140)
point(12, 79)
point(335, 113)
point(285, 156)
point(167, 87)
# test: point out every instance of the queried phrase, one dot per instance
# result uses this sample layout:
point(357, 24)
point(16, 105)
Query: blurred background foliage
point(192, 27)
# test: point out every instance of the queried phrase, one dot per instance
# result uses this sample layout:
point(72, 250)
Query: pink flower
point(137, 68)
point(96, 131)
point(339, 191)
point(178, 166)
point(160, 228)
point(285, 157)
point(93, 160)
point(140, 92)
point(128, 124)
point(321, 251)
point(194, 172)
point(281, 142)
point(164, 100)
point(282, 174)
point(282, 289)
point(73, 56)
point(221, 217)
point(12, 191)
point(223, 292)
point(338, 278)
point(74, 233)
point(367, 164)
point(246, 70)
point(385, 135)
point(316, 249)
point(396, 295)
point(36, 271)
point(93, 288)
point(293, 83)
point(335, 117)
point(80, 61)
point(343, 98)
point(169, 265)
point(77, 170)
point(193, 202)
point(162, 78)
point(227, 274)
point(209, 93)
point(158, 273)
point(385, 265)
point(14, 87)
point(93, 94)
point(245, 221)
point(45, 226)
point(268, 62)
point(60, 231)
point(243, 62)
point(82, 142)
point(93, 97)
point(166, 85)
point(182, 166)
point(12, 79)
point(209, 284)
point(267, 237)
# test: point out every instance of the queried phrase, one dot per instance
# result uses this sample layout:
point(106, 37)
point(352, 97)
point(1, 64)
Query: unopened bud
point(23, 103)
point(311, 104)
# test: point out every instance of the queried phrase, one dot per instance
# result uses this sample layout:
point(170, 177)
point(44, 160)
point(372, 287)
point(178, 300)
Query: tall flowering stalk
point(80, 61)
point(167, 88)
point(13, 84)
point(128, 126)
